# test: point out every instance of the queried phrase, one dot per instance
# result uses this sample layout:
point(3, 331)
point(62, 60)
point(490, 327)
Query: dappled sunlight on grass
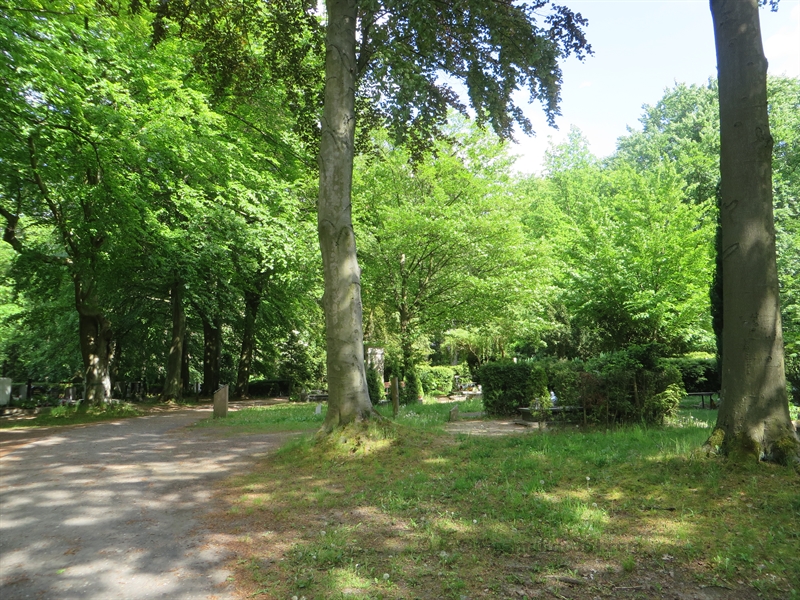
point(445, 516)
point(263, 419)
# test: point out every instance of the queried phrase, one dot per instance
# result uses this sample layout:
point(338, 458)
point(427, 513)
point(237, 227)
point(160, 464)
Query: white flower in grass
point(385, 576)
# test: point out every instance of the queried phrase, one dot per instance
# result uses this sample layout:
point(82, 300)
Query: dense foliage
point(153, 173)
point(628, 386)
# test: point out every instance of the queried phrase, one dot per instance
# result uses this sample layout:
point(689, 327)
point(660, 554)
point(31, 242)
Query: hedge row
point(622, 387)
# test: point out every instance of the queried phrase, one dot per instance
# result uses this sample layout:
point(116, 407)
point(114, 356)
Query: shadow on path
point(111, 510)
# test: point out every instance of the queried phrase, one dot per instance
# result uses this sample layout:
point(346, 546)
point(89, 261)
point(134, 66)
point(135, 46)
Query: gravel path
point(113, 510)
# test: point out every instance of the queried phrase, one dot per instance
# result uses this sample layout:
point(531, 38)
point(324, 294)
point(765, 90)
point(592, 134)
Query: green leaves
point(441, 242)
point(636, 257)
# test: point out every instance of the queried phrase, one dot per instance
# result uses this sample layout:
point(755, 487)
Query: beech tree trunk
point(97, 346)
point(753, 419)
point(173, 390)
point(348, 398)
point(252, 302)
point(185, 362)
point(212, 349)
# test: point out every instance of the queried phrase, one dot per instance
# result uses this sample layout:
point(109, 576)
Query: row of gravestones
point(71, 393)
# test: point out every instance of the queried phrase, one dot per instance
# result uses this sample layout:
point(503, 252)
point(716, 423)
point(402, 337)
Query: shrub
point(412, 391)
point(564, 378)
point(506, 386)
point(793, 377)
point(374, 385)
point(436, 379)
point(631, 380)
point(627, 386)
point(664, 404)
point(699, 372)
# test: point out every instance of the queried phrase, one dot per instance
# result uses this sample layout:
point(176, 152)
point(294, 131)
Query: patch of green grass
point(279, 417)
point(450, 516)
point(71, 415)
point(429, 414)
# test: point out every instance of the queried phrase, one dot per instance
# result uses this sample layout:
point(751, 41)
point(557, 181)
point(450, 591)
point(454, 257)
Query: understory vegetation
point(72, 415)
point(404, 510)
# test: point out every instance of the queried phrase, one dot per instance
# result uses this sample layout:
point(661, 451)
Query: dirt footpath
point(113, 510)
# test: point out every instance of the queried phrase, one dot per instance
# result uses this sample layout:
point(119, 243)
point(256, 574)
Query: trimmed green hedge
point(506, 386)
point(628, 386)
point(699, 373)
point(436, 379)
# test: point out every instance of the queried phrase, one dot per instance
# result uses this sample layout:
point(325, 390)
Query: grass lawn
point(69, 415)
point(407, 510)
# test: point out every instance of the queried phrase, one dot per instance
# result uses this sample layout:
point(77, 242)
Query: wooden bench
point(314, 396)
point(703, 398)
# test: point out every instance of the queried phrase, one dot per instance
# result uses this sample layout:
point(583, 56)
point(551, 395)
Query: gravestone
point(376, 360)
point(221, 402)
point(318, 410)
point(454, 414)
point(5, 390)
point(23, 391)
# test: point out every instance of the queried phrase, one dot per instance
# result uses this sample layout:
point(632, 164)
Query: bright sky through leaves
point(641, 48)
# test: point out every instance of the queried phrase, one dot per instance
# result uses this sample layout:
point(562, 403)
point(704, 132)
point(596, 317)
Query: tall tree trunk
point(753, 420)
point(116, 360)
point(97, 346)
point(212, 348)
point(252, 301)
point(185, 363)
point(172, 385)
point(348, 398)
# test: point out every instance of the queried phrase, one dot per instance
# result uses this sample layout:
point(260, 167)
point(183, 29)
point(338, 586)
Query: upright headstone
point(23, 391)
point(454, 413)
point(5, 390)
point(376, 360)
point(221, 402)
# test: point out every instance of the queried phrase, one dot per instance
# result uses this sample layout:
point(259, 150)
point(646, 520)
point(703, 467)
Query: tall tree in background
point(391, 54)
point(754, 416)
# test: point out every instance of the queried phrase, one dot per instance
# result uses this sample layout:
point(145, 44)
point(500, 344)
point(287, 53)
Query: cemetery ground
point(406, 509)
point(175, 505)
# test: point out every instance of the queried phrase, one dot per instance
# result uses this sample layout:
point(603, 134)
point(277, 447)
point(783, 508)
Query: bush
point(436, 379)
point(699, 372)
point(506, 386)
point(664, 404)
point(564, 378)
point(632, 382)
point(412, 391)
point(793, 377)
point(628, 386)
point(374, 386)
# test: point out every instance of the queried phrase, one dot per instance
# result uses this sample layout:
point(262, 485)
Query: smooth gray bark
point(348, 398)
point(252, 302)
point(212, 350)
point(173, 390)
point(97, 346)
point(754, 414)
